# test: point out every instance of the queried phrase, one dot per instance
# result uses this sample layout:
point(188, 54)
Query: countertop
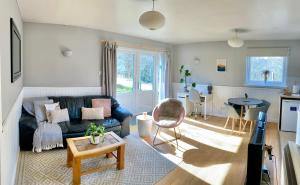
point(290, 96)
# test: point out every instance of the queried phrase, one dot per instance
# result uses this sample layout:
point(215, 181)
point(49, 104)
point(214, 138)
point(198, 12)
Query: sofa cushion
point(92, 113)
point(88, 101)
point(40, 109)
point(28, 104)
point(73, 104)
point(80, 126)
point(60, 115)
point(105, 103)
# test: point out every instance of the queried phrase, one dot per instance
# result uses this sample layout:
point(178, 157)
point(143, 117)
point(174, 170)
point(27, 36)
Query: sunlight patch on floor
point(211, 125)
point(218, 140)
point(177, 154)
point(213, 174)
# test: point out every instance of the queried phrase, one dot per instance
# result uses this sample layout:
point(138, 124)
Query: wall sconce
point(197, 60)
point(67, 52)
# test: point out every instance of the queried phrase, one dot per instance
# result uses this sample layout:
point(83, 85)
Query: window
point(266, 67)
point(146, 72)
point(125, 72)
point(266, 71)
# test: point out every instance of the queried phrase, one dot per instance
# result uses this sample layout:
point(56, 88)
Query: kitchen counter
point(293, 96)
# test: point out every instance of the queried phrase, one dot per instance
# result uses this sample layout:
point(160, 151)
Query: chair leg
point(244, 126)
point(155, 135)
point(176, 137)
point(250, 131)
point(240, 128)
point(195, 110)
point(233, 124)
point(179, 132)
point(227, 122)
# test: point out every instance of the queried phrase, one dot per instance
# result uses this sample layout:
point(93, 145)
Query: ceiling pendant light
point(236, 42)
point(152, 20)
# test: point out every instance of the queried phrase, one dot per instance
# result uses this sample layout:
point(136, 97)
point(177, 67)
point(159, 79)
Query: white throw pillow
point(49, 108)
point(60, 115)
point(92, 113)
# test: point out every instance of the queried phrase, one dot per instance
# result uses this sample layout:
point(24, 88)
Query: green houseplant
point(96, 133)
point(184, 74)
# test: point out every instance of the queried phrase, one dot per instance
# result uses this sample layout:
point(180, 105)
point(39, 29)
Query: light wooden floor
point(209, 154)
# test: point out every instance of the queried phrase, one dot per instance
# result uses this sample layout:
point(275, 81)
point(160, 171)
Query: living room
point(182, 91)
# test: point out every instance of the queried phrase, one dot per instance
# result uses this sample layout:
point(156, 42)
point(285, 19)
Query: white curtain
point(164, 76)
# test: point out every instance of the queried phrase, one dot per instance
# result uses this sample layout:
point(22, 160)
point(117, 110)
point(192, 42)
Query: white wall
point(10, 91)
point(45, 65)
point(59, 91)
point(10, 95)
point(231, 83)
point(208, 52)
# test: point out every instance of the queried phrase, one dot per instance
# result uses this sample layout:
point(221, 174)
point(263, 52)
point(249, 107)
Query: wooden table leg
point(69, 157)
point(76, 171)
point(121, 158)
point(241, 118)
point(109, 155)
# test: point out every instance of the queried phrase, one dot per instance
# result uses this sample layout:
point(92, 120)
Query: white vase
point(95, 140)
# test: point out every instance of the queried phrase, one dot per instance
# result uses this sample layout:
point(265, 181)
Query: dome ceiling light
point(236, 41)
point(152, 20)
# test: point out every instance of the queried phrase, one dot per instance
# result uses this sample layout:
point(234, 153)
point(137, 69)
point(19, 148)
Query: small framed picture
point(221, 65)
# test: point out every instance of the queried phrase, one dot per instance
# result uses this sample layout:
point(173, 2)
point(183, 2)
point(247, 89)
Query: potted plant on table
point(96, 133)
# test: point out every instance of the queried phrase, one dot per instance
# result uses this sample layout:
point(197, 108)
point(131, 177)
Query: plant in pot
point(96, 133)
point(266, 74)
point(184, 74)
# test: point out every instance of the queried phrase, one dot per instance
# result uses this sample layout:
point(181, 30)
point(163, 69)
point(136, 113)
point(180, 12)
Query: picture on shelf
point(221, 65)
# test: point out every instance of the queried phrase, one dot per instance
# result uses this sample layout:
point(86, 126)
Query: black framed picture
point(15, 51)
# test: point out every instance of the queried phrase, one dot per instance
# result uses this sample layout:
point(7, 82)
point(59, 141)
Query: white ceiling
point(186, 20)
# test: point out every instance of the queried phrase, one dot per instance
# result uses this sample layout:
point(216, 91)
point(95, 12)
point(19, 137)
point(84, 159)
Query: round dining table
point(244, 102)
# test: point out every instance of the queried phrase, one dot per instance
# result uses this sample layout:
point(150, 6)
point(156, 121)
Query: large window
point(125, 72)
point(267, 71)
point(266, 67)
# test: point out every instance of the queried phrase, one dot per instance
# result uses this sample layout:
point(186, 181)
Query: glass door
point(126, 64)
point(136, 80)
point(145, 95)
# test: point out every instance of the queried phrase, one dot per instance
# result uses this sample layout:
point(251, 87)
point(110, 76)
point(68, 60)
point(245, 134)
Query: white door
point(136, 80)
point(146, 82)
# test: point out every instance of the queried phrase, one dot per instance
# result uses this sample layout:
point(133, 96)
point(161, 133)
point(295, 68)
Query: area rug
point(143, 166)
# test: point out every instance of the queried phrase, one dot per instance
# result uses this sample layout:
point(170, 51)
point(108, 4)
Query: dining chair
point(194, 97)
point(251, 115)
point(231, 113)
point(168, 114)
point(265, 104)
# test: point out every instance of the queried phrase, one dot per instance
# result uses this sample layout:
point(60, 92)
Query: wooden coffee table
point(80, 148)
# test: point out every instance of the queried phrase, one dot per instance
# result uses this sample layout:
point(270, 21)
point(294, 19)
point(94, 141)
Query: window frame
point(282, 84)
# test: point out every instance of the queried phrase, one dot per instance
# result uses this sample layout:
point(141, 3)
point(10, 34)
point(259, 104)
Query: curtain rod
point(136, 46)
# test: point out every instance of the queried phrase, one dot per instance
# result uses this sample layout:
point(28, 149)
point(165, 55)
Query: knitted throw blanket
point(47, 136)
